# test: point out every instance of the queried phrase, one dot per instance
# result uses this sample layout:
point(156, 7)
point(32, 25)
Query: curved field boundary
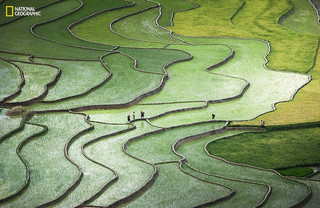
point(182, 141)
point(123, 105)
point(116, 176)
point(314, 59)
point(305, 178)
point(63, 59)
point(296, 91)
point(317, 9)
point(32, 56)
point(157, 24)
point(129, 15)
point(223, 129)
point(165, 77)
point(313, 174)
point(237, 12)
point(242, 92)
point(38, 99)
point(89, 90)
point(69, 28)
point(262, 202)
point(11, 133)
point(173, 13)
point(181, 161)
point(18, 151)
point(46, 87)
point(208, 70)
point(22, 83)
point(267, 68)
point(286, 15)
point(136, 64)
point(299, 204)
point(229, 196)
point(163, 68)
point(175, 102)
point(41, 7)
point(149, 182)
point(66, 154)
point(224, 61)
point(153, 177)
point(136, 100)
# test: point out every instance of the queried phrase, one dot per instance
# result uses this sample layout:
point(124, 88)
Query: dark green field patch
point(296, 171)
point(274, 149)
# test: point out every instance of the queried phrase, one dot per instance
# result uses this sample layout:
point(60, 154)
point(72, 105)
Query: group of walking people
point(134, 116)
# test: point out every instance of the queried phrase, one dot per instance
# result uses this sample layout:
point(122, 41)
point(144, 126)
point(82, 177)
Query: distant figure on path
point(128, 117)
point(142, 114)
point(213, 115)
point(133, 115)
point(262, 123)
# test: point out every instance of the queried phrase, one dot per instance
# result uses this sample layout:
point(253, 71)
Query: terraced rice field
point(110, 103)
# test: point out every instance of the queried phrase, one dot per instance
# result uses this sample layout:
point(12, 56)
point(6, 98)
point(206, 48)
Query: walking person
point(213, 116)
point(128, 117)
point(142, 114)
point(262, 123)
point(133, 115)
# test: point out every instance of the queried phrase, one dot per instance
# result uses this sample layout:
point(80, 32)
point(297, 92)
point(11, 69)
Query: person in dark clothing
point(133, 115)
point(262, 123)
point(142, 114)
point(128, 117)
point(213, 116)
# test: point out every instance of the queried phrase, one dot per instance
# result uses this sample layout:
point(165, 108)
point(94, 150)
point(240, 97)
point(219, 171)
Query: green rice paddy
point(85, 71)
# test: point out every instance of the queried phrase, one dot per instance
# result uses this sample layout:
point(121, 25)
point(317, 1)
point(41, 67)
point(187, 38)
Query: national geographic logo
point(12, 11)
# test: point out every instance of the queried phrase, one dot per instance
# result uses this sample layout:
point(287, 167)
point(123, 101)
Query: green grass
point(36, 77)
point(142, 27)
point(50, 172)
point(9, 79)
point(285, 193)
point(12, 169)
point(257, 19)
point(77, 77)
point(296, 171)
point(97, 28)
point(172, 186)
point(57, 30)
point(272, 149)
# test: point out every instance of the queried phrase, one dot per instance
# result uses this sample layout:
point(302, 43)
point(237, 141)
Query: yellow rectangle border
point(7, 9)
